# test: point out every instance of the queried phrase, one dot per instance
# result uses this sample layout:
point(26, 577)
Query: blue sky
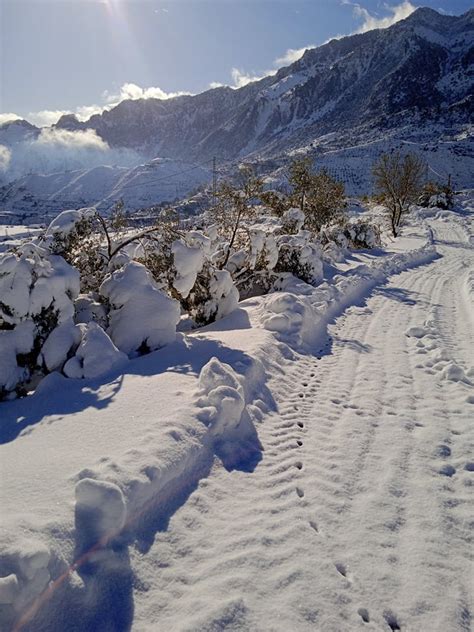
point(81, 55)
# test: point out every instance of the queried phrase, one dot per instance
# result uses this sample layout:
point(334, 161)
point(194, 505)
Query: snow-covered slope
point(35, 197)
point(301, 465)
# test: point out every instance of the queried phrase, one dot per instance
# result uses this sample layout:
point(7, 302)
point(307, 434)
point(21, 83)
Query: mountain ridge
point(343, 103)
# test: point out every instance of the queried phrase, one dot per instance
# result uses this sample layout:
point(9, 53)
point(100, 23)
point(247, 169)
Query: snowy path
point(354, 517)
point(357, 517)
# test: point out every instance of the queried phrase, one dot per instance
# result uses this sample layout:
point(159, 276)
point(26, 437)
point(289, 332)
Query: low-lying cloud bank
point(58, 150)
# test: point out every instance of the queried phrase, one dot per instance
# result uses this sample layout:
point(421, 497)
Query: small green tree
point(235, 205)
point(300, 179)
point(326, 201)
point(320, 196)
point(398, 181)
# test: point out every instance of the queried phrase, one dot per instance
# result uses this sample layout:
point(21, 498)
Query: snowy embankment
point(113, 458)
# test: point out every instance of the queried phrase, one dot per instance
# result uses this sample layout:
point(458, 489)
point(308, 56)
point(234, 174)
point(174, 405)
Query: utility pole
point(214, 182)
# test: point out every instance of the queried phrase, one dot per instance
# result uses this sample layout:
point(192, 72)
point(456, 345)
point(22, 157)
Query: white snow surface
point(303, 464)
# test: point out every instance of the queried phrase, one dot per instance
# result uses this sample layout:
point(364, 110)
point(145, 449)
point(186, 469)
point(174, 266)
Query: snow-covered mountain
point(415, 73)
point(343, 103)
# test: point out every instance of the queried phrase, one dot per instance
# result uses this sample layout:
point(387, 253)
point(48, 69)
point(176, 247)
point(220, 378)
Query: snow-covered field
point(303, 464)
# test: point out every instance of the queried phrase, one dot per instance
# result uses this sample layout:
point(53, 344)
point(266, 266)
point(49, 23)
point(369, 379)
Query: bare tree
point(398, 181)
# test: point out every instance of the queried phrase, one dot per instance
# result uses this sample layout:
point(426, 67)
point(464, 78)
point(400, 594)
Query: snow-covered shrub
point(292, 221)
point(188, 261)
point(58, 344)
point(96, 354)
point(212, 297)
point(352, 234)
point(88, 308)
point(142, 317)
point(37, 291)
point(436, 195)
point(77, 236)
point(252, 268)
point(300, 255)
point(276, 201)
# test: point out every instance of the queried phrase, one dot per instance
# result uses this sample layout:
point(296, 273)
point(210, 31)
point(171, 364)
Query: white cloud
point(65, 139)
point(396, 12)
point(133, 91)
point(291, 55)
point(8, 116)
point(241, 78)
point(59, 150)
point(5, 155)
point(44, 118)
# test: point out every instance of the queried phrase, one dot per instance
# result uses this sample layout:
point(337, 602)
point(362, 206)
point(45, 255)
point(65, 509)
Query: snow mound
point(24, 574)
point(292, 318)
point(100, 509)
point(416, 332)
point(222, 400)
point(96, 354)
point(136, 299)
point(454, 373)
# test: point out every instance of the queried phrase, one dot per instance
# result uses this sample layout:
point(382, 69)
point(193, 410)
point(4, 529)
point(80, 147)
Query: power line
point(161, 178)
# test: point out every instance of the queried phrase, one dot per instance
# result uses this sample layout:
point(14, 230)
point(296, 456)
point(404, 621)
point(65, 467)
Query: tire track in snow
point(346, 521)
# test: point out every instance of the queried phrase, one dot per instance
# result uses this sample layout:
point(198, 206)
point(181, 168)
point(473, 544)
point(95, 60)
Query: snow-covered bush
point(37, 290)
point(96, 354)
point(292, 221)
point(252, 268)
point(212, 297)
point(352, 234)
point(142, 317)
point(436, 195)
point(77, 236)
point(300, 255)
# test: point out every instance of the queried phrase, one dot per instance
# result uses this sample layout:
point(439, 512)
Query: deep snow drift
point(302, 464)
